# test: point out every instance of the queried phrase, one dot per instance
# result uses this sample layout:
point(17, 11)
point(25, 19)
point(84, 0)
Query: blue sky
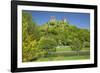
point(81, 20)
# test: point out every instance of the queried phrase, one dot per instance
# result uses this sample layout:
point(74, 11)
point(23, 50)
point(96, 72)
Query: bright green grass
point(59, 57)
point(64, 58)
point(63, 49)
point(69, 49)
point(77, 58)
point(86, 48)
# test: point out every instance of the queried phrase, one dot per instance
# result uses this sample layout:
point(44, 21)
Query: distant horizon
point(80, 20)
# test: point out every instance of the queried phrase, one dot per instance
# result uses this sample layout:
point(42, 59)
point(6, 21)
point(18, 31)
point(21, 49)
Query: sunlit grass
point(69, 49)
point(63, 49)
point(64, 58)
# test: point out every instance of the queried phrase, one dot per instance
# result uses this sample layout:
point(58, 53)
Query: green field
point(69, 49)
point(66, 54)
point(64, 58)
point(63, 49)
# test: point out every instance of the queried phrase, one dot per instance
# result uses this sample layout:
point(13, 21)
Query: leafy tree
point(47, 44)
point(76, 45)
point(29, 33)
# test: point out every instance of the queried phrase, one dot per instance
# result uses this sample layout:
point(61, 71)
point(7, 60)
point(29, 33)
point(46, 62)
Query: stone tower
point(64, 19)
point(52, 19)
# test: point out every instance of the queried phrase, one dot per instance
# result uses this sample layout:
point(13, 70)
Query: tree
point(84, 36)
point(76, 45)
point(29, 40)
point(47, 44)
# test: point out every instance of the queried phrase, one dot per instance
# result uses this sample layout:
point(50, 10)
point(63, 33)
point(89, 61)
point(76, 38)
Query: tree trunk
point(78, 54)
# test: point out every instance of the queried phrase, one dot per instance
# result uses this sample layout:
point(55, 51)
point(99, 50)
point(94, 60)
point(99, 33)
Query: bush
point(86, 44)
point(30, 51)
